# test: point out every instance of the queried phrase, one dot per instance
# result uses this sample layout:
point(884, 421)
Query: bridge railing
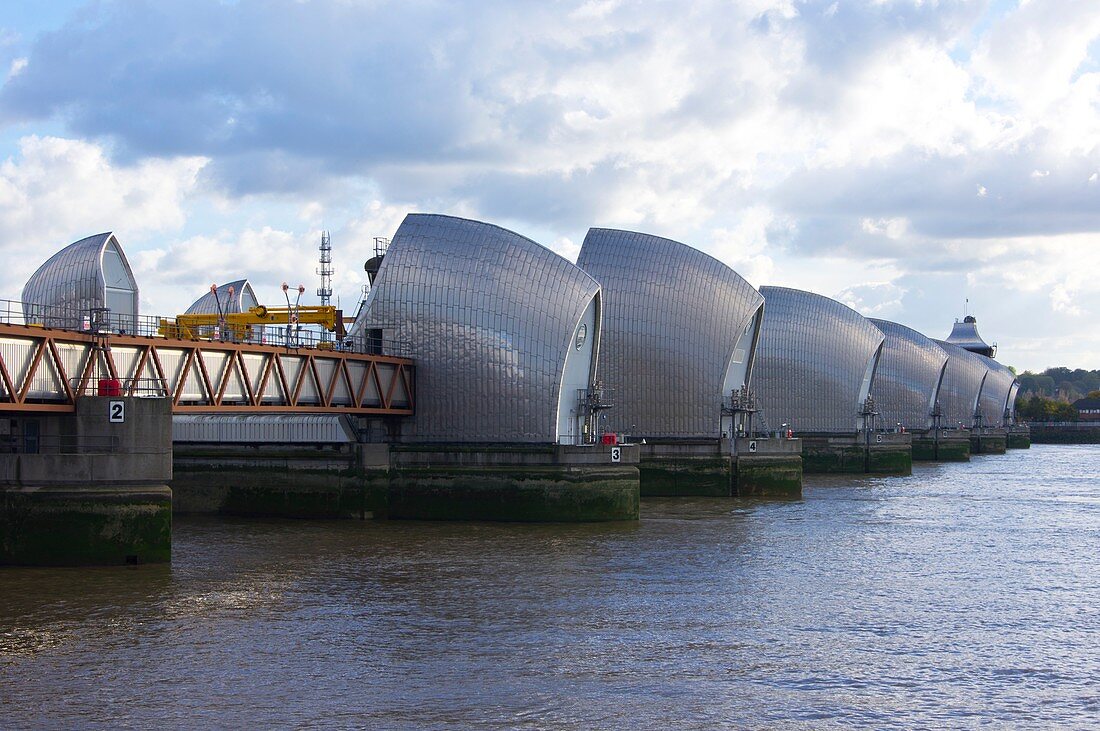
point(103, 322)
point(140, 387)
point(1064, 424)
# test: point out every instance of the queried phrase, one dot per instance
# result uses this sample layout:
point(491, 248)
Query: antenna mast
point(324, 292)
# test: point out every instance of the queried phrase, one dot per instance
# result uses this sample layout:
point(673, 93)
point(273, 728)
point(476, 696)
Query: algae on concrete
point(519, 494)
point(685, 476)
point(768, 476)
point(85, 526)
point(988, 443)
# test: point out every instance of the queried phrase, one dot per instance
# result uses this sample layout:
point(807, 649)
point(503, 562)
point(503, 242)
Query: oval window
point(582, 335)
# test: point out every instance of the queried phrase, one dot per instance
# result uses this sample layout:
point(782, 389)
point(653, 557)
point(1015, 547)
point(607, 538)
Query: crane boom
point(238, 325)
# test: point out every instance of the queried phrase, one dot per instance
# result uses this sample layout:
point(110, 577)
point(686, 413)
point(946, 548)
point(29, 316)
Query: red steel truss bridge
point(46, 369)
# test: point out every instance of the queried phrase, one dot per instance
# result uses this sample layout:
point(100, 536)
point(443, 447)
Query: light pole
point(292, 313)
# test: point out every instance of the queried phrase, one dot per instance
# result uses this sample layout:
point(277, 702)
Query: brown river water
point(967, 595)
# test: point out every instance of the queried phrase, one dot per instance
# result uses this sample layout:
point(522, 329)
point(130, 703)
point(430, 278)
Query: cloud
point(174, 271)
point(902, 153)
point(59, 190)
point(16, 67)
point(874, 299)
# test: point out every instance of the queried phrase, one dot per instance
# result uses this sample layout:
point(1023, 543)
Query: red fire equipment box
point(110, 387)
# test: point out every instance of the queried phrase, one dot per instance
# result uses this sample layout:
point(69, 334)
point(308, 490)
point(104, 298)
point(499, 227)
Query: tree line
point(1049, 396)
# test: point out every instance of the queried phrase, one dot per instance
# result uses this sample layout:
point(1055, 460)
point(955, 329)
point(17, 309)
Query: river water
point(966, 595)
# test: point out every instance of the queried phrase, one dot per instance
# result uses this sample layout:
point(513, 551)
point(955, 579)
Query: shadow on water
point(963, 594)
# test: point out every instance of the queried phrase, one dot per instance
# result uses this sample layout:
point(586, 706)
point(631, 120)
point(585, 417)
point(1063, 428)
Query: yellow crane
point(237, 326)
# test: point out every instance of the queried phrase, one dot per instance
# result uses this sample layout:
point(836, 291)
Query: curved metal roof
point(490, 317)
point(908, 378)
point(965, 335)
point(673, 319)
point(90, 273)
point(962, 386)
point(998, 393)
point(816, 362)
point(243, 298)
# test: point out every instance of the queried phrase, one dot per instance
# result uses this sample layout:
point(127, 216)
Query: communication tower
point(324, 292)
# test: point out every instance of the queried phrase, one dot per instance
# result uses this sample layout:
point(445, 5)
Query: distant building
point(504, 331)
point(965, 335)
point(679, 333)
point(236, 296)
point(996, 404)
point(1088, 409)
point(816, 362)
point(84, 280)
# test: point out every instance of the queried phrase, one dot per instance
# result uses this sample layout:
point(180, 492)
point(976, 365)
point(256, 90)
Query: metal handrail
point(105, 323)
point(1072, 424)
point(140, 387)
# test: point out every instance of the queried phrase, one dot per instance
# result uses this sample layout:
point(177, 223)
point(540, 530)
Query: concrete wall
point(96, 492)
point(531, 483)
point(947, 445)
point(886, 453)
point(988, 441)
point(708, 468)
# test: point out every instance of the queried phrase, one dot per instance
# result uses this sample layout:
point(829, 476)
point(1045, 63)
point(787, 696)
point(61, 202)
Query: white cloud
point(874, 299)
point(59, 190)
point(835, 146)
point(174, 274)
point(17, 66)
point(1030, 57)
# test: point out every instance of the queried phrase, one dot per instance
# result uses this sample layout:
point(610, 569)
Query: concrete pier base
point(523, 483)
point(949, 445)
point(78, 525)
point(281, 481)
point(884, 453)
point(709, 468)
point(685, 468)
point(988, 441)
point(1018, 437)
point(535, 483)
point(91, 489)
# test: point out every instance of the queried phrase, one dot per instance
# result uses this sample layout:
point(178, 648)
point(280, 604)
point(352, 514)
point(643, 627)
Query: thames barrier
point(483, 377)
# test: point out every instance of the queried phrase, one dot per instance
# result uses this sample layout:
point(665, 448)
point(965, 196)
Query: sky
point(915, 159)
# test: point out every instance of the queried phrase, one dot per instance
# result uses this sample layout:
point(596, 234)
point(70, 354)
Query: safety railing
point(1064, 424)
point(103, 386)
point(104, 323)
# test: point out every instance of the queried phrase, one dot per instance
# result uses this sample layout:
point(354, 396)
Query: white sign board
point(116, 412)
point(878, 437)
point(752, 445)
point(616, 454)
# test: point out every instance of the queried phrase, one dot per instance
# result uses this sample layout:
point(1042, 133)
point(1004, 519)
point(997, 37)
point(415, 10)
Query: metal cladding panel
point(996, 392)
point(671, 319)
point(962, 384)
point(262, 429)
point(243, 298)
point(812, 361)
point(71, 282)
point(489, 317)
point(908, 376)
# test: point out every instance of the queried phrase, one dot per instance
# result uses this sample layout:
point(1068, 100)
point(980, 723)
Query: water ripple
point(965, 595)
